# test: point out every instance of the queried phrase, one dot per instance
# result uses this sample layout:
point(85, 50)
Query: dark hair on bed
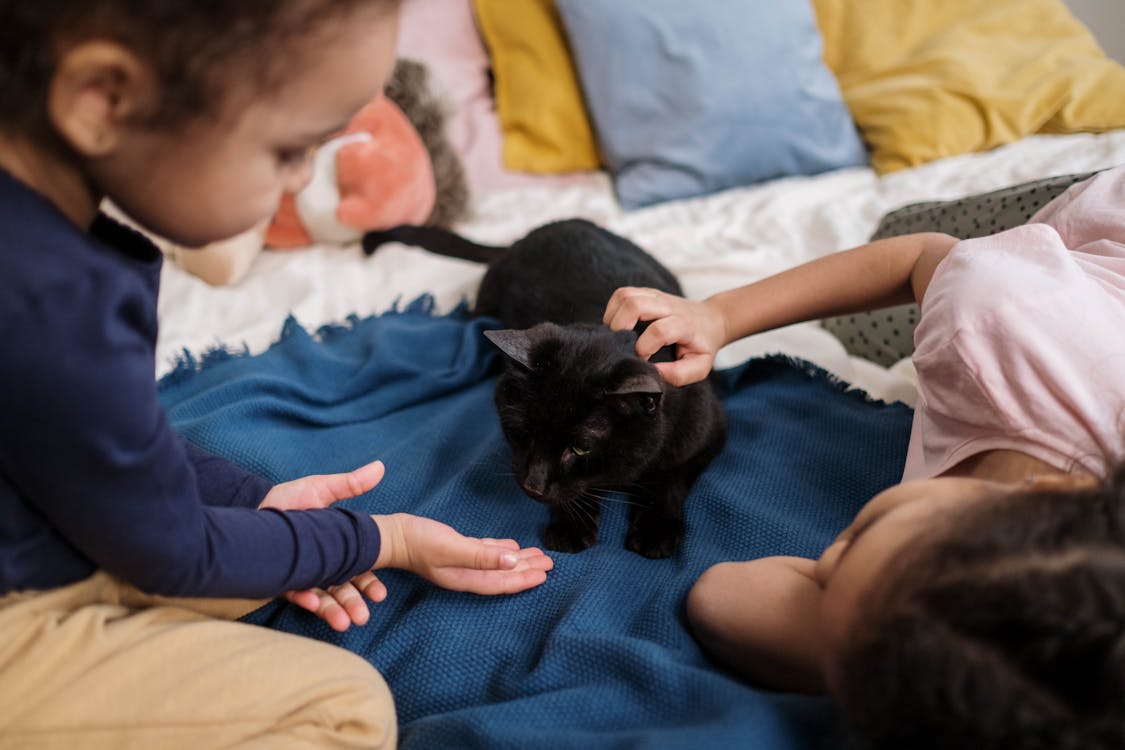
point(196, 47)
point(1007, 633)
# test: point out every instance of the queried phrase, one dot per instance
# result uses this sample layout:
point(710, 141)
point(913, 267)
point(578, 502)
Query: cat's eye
point(579, 451)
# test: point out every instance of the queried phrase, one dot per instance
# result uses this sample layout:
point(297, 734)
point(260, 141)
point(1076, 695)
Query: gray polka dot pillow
point(886, 336)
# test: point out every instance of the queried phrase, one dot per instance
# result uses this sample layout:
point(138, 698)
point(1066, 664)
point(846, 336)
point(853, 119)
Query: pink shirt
point(1021, 343)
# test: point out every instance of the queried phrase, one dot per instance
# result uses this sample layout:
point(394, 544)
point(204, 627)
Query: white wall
point(1106, 18)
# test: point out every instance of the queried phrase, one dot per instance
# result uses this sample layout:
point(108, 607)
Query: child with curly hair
point(981, 602)
point(193, 116)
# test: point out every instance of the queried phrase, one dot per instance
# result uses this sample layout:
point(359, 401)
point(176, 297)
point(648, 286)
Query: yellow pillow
point(538, 99)
point(926, 79)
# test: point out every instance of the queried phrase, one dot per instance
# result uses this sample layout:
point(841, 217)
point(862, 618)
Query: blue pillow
point(689, 98)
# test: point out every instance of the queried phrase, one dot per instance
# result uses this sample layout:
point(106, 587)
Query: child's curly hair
point(198, 48)
point(1006, 633)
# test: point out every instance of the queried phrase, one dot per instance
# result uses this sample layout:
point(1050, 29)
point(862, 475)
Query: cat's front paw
point(655, 538)
point(566, 537)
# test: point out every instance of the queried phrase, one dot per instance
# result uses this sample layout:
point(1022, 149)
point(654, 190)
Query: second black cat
point(583, 414)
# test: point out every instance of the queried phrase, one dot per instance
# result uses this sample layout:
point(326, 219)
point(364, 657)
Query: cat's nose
point(534, 490)
point(535, 480)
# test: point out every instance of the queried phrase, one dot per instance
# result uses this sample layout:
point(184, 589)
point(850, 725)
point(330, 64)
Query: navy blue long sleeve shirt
point(91, 473)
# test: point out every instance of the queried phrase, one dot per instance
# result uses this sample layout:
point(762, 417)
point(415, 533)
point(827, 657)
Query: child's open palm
point(444, 556)
point(431, 549)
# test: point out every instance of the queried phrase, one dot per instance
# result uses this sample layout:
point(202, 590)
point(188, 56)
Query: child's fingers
point(472, 554)
point(530, 557)
point(534, 558)
point(365, 478)
point(493, 582)
point(371, 586)
point(478, 567)
point(332, 613)
point(630, 305)
point(355, 482)
point(305, 599)
point(347, 599)
point(341, 606)
point(494, 557)
point(691, 369)
point(459, 551)
point(511, 544)
point(614, 306)
point(663, 332)
point(323, 605)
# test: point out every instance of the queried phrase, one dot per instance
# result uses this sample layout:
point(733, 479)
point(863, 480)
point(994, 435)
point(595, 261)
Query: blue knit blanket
point(599, 656)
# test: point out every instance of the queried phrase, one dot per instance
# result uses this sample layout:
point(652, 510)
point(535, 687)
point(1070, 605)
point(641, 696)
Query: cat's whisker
point(587, 507)
point(549, 369)
point(568, 510)
point(610, 496)
point(586, 516)
point(608, 493)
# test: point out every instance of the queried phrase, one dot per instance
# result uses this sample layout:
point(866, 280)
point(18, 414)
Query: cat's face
point(581, 412)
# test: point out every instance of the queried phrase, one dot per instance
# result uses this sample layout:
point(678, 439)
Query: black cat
point(583, 414)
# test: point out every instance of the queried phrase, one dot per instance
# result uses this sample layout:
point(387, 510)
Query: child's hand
point(321, 490)
point(443, 556)
point(698, 329)
point(339, 606)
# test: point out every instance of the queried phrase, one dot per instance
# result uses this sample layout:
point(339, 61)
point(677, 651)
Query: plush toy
point(375, 173)
point(391, 165)
point(429, 111)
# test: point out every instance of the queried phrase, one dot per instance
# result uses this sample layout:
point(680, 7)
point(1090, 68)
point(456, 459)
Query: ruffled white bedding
point(711, 243)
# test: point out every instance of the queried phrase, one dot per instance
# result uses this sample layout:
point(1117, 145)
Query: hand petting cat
point(584, 411)
point(698, 329)
point(428, 548)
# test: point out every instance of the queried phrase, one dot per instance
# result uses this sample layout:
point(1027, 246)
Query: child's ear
point(97, 87)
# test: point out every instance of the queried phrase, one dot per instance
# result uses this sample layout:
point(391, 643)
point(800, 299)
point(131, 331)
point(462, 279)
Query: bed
point(322, 358)
point(711, 243)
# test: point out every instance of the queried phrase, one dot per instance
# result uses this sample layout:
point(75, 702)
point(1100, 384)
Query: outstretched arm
point(883, 273)
point(878, 274)
point(428, 548)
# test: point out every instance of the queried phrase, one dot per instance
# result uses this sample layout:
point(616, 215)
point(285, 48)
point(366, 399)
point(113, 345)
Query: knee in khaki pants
point(97, 664)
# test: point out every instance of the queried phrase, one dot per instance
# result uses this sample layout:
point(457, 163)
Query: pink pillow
point(443, 35)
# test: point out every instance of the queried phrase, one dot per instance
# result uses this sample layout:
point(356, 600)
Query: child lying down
point(981, 602)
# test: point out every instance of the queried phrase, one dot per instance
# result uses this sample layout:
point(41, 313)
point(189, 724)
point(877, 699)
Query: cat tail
point(434, 239)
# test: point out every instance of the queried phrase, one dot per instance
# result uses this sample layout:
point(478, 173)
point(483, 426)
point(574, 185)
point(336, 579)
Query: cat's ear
point(516, 344)
point(639, 393)
point(643, 383)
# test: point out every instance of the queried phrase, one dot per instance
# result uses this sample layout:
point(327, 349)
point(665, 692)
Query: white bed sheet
point(711, 243)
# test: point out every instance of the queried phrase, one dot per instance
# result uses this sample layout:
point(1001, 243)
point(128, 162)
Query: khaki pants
point(98, 664)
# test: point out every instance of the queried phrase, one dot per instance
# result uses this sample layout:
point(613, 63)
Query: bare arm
point(878, 274)
point(762, 618)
